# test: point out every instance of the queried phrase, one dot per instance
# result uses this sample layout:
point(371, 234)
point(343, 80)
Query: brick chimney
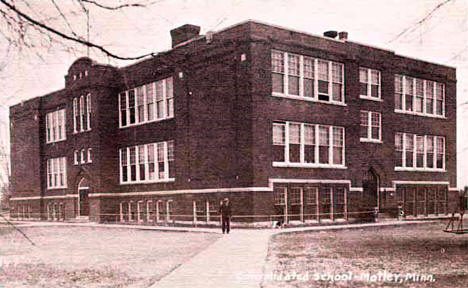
point(184, 33)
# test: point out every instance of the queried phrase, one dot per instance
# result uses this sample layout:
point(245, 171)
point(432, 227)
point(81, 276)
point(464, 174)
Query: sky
point(431, 30)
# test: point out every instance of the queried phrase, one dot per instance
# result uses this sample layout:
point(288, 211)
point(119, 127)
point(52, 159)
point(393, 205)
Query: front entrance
point(84, 202)
point(370, 187)
point(83, 198)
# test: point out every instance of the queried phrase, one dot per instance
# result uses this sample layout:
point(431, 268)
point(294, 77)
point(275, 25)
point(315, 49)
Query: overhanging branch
point(68, 37)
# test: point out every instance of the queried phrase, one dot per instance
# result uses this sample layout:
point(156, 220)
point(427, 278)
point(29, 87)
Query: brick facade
point(222, 132)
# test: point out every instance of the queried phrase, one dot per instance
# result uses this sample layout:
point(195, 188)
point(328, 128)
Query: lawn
point(404, 256)
point(94, 257)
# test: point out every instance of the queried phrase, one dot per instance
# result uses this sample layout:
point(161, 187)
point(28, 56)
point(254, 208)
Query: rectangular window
point(76, 116)
point(150, 101)
point(170, 98)
point(57, 173)
point(409, 148)
point(147, 163)
point(277, 69)
point(370, 126)
point(278, 141)
point(141, 107)
point(399, 150)
point(419, 152)
point(279, 195)
point(55, 126)
point(295, 196)
point(419, 96)
point(398, 92)
point(308, 145)
point(131, 106)
point(90, 160)
point(302, 76)
point(88, 111)
point(123, 109)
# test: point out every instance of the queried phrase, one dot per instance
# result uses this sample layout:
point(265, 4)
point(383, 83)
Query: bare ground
point(93, 257)
point(420, 256)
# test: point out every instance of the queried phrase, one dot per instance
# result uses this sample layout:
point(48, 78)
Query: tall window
point(419, 96)
point(147, 103)
point(369, 83)
point(308, 145)
point(307, 78)
point(147, 163)
point(57, 173)
point(371, 130)
point(82, 113)
point(419, 152)
point(55, 126)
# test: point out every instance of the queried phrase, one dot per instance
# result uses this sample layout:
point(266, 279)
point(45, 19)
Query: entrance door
point(84, 202)
point(370, 188)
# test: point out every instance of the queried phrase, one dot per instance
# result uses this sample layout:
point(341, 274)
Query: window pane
point(324, 144)
point(308, 67)
point(294, 133)
point(308, 87)
point(278, 134)
point(363, 75)
point(277, 63)
point(277, 82)
point(323, 70)
point(293, 85)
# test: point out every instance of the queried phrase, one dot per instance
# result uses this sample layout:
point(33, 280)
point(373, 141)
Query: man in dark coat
point(225, 211)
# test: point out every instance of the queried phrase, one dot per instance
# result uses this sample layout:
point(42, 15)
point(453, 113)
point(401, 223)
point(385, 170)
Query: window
point(57, 173)
point(307, 78)
point(308, 145)
point(311, 195)
point(419, 96)
point(295, 196)
point(147, 163)
point(419, 152)
point(369, 80)
point(370, 127)
point(76, 157)
point(83, 156)
point(148, 103)
point(55, 126)
point(279, 195)
point(82, 113)
point(89, 155)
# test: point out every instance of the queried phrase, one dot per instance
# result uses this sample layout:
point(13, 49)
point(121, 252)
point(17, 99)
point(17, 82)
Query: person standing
point(225, 211)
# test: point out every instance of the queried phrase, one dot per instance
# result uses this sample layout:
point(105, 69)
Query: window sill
point(82, 131)
point(308, 165)
point(420, 114)
point(146, 122)
point(57, 141)
point(370, 98)
point(411, 169)
point(148, 182)
point(366, 140)
point(309, 99)
point(57, 188)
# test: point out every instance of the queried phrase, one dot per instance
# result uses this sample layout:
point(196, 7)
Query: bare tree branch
point(32, 21)
point(115, 7)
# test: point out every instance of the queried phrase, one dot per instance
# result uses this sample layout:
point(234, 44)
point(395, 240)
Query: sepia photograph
point(233, 143)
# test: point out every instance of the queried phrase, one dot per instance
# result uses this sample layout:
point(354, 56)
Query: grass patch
point(94, 257)
point(421, 256)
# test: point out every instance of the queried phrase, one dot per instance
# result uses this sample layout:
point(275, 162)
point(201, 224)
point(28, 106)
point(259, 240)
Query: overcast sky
point(414, 28)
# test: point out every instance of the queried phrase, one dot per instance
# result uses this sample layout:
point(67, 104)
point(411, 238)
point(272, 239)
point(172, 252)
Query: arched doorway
point(83, 198)
point(370, 187)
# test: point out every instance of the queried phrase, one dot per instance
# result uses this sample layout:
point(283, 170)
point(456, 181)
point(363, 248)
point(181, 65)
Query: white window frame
point(157, 177)
point(316, 164)
point(76, 154)
point(58, 167)
point(424, 112)
point(90, 160)
point(82, 156)
point(369, 85)
point(88, 111)
point(301, 96)
point(425, 168)
point(166, 114)
point(53, 133)
point(369, 127)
